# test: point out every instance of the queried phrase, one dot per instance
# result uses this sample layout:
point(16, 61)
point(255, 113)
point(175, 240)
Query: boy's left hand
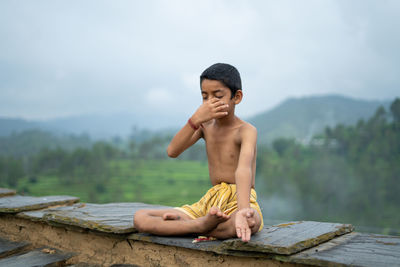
point(243, 230)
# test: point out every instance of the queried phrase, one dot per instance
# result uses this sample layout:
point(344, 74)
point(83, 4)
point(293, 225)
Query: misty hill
point(32, 141)
point(301, 118)
point(10, 125)
point(96, 126)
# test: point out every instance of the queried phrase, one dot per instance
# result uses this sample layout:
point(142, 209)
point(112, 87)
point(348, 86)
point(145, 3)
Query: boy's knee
point(256, 227)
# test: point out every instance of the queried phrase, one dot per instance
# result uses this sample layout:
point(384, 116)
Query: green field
point(167, 182)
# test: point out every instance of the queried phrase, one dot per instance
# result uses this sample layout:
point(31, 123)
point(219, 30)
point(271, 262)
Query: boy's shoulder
point(247, 132)
point(247, 127)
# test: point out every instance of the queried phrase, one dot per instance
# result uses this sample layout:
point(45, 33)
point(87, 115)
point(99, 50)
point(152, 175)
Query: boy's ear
point(238, 97)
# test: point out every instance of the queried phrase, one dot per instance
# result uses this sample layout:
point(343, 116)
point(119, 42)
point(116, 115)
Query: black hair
point(225, 73)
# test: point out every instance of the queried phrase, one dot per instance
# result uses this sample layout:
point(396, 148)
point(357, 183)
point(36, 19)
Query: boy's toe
point(250, 213)
point(213, 210)
point(251, 223)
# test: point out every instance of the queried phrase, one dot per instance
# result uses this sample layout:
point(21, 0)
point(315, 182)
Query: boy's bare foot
point(214, 217)
point(171, 216)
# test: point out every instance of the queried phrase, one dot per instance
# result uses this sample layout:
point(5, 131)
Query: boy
point(229, 208)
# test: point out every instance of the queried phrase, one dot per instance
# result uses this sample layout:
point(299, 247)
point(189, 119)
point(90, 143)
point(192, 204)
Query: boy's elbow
point(171, 153)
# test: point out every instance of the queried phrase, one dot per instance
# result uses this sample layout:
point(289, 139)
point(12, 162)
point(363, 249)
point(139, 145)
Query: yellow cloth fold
point(223, 196)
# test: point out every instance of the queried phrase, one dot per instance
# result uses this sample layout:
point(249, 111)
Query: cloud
point(68, 58)
point(159, 97)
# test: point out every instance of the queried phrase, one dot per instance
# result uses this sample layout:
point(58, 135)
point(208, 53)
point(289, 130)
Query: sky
point(71, 58)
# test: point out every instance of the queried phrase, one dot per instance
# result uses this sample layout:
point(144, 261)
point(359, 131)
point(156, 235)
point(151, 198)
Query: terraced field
point(167, 182)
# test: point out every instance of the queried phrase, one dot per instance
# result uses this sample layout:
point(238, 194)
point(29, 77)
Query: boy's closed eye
point(206, 98)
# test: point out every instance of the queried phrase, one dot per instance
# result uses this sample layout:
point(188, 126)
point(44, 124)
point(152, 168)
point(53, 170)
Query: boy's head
point(226, 74)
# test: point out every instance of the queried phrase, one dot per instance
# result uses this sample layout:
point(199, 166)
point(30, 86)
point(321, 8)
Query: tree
point(395, 109)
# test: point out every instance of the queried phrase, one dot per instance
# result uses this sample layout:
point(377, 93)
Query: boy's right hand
point(212, 109)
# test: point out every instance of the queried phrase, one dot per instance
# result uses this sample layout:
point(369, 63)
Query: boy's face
point(215, 89)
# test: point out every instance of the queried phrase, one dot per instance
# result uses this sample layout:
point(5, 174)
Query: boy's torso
point(223, 149)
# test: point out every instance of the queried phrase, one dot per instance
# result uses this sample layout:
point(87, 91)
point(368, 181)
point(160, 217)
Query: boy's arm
point(187, 136)
point(243, 180)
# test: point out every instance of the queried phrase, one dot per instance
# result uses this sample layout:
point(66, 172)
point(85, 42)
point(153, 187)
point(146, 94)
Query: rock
point(4, 192)
point(187, 242)
point(184, 241)
point(39, 257)
point(38, 215)
point(109, 218)
point(15, 204)
point(354, 249)
point(8, 247)
point(289, 238)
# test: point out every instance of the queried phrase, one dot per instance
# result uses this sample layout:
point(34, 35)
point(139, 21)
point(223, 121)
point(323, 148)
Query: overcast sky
point(63, 58)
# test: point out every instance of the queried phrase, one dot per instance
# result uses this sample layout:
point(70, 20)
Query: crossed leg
point(174, 222)
point(228, 228)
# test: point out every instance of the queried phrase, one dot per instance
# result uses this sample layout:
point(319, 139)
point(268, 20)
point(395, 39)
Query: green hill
point(31, 142)
point(301, 118)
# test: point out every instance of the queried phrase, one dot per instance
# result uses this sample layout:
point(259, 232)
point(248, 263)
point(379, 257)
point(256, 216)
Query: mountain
point(97, 126)
point(301, 118)
point(10, 125)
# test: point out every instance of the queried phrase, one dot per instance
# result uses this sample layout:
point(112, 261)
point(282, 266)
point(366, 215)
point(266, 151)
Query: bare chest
point(222, 145)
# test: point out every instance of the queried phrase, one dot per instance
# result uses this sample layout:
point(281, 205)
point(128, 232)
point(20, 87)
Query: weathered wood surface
point(8, 247)
point(4, 192)
point(110, 218)
point(39, 257)
point(15, 204)
point(354, 249)
point(289, 238)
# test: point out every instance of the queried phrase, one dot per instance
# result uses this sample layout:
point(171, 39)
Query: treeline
point(86, 163)
point(31, 142)
point(348, 174)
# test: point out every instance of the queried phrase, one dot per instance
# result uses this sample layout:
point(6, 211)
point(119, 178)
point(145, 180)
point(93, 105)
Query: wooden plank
point(289, 238)
point(16, 204)
point(110, 218)
point(39, 257)
point(8, 247)
point(5, 192)
point(354, 249)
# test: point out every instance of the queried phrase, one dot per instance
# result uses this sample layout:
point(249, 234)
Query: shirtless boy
point(229, 208)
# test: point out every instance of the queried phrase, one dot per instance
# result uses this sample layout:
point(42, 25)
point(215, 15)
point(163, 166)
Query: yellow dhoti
point(222, 196)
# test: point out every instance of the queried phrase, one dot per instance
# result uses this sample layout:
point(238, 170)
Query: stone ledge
point(4, 192)
point(93, 248)
point(14, 204)
point(302, 242)
point(117, 218)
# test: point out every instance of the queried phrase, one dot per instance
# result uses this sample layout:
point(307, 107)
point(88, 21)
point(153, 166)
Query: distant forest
point(348, 174)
